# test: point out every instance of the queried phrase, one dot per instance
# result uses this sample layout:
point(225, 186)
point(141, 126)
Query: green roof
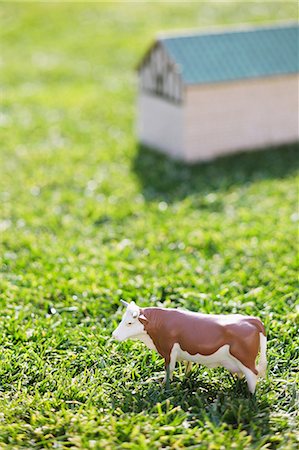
point(233, 55)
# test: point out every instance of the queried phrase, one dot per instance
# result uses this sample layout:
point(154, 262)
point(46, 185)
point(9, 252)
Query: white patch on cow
point(147, 340)
point(221, 357)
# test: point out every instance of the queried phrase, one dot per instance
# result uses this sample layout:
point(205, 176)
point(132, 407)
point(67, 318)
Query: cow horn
point(124, 303)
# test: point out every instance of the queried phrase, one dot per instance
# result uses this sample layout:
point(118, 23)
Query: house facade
point(205, 95)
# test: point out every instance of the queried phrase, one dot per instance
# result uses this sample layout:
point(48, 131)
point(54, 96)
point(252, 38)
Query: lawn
point(88, 217)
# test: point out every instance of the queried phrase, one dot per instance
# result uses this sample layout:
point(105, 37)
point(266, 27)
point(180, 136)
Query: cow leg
point(250, 376)
point(262, 365)
point(169, 371)
point(167, 377)
point(188, 367)
point(251, 379)
point(169, 366)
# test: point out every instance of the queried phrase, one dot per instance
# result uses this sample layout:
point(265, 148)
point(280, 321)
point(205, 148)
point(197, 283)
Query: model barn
point(205, 95)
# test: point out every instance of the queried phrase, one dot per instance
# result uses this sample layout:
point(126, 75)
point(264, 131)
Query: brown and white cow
point(232, 341)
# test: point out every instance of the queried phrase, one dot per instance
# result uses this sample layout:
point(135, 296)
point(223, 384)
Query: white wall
point(227, 117)
point(160, 124)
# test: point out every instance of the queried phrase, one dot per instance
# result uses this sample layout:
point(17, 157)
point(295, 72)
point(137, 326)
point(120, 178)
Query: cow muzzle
point(116, 336)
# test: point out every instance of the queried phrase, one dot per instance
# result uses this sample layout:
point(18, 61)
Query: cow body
point(232, 341)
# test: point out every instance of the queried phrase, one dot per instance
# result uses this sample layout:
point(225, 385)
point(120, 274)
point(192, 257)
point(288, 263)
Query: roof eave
point(238, 80)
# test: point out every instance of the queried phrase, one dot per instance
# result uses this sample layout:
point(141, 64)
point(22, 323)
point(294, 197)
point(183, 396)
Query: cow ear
point(142, 317)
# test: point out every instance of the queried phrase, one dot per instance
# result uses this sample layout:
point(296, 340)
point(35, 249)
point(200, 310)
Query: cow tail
point(262, 365)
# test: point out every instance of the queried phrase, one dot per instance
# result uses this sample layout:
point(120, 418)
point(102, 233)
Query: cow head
point(130, 325)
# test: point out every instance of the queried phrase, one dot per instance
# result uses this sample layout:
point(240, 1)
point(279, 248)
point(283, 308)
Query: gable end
point(160, 76)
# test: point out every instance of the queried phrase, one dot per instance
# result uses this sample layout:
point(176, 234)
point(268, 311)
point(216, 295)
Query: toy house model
point(205, 95)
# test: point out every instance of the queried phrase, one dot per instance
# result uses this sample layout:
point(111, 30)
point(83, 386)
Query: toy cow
point(232, 341)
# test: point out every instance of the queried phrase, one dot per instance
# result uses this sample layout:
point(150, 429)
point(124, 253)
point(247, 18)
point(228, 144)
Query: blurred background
point(75, 186)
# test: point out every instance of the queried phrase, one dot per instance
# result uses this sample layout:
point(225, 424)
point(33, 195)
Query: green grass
point(87, 217)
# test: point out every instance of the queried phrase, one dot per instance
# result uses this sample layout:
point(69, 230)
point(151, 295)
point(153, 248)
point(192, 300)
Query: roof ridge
point(230, 29)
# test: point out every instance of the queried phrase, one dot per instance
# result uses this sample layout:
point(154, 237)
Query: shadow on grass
point(164, 179)
point(204, 400)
